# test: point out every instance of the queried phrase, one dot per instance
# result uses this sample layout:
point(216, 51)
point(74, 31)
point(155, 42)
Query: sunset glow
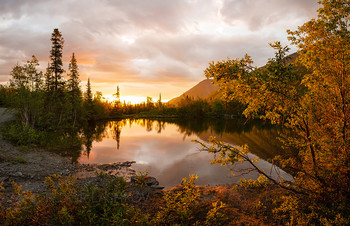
point(129, 99)
point(145, 47)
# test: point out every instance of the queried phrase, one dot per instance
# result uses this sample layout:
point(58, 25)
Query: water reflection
point(164, 148)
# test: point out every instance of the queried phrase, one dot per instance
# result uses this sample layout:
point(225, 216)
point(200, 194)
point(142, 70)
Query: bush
point(21, 135)
point(260, 183)
point(67, 203)
point(179, 205)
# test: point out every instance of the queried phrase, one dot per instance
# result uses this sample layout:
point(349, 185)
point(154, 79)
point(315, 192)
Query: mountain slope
point(201, 90)
point(206, 90)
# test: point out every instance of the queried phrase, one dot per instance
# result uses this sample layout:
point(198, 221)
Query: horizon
point(156, 47)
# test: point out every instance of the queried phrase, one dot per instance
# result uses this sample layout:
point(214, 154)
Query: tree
point(88, 94)
point(73, 81)
point(324, 45)
point(117, 94)
point(74, 88)
point(48, 80)
point(159, 102)
point(309, 97)
point(56, 64)
point(27, 82)
point(4, 94)
point(88, 103)
point(116, 107)
point(149, 103)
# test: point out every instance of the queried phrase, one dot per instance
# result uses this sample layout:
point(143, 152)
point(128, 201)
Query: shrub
point(179, 205)
point(21, 135)
point(68, 203)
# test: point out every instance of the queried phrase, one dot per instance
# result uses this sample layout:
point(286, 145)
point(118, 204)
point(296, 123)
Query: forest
point(308, 97)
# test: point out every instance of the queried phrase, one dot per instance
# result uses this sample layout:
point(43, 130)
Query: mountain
point(202, 90)
point(206, 90)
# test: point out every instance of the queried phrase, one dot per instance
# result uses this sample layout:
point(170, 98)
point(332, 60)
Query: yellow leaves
point(17, 188)
point(179, 204)
point(215, 215)
point(225, 154)
point(259, 183)
point(1, 188)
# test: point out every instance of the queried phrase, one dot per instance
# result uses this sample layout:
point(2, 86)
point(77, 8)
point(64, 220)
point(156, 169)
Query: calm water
point(165, 149)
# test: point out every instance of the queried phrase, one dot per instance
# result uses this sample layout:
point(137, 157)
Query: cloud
point(258, 14)
point(146, 42)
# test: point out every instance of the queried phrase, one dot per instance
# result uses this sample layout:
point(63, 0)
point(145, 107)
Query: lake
point(165, 148)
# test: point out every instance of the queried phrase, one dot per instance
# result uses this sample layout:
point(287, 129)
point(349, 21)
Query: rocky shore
point(29, 167)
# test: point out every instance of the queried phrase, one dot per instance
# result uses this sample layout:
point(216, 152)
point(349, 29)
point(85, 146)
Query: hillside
point(206, 90)
point(202, 90)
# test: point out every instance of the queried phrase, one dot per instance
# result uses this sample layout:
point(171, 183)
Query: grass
point(20, 160)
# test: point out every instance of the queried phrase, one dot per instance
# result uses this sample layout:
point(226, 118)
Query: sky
point(146, 47)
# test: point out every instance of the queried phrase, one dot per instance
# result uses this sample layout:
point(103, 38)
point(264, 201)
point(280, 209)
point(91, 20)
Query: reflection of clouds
point(193, 164)
point(166, 155)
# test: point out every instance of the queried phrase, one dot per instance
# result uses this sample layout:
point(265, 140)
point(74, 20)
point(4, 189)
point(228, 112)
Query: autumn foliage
point(310, 98)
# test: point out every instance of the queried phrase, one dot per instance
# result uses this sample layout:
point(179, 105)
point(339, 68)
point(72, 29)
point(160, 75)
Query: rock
point(18, 174)
point(127, 163)
point(151, 181)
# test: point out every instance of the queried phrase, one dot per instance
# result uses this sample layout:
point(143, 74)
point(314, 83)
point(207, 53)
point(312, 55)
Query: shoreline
point(28, 167)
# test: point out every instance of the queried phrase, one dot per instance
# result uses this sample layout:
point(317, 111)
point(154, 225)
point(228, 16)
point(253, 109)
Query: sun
point(127, 99)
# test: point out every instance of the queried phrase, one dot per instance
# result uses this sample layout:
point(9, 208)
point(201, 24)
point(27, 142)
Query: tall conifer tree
point(74, 81)
point(74, 88)
point(88, 103)
point(88, 96)
point(56, 64)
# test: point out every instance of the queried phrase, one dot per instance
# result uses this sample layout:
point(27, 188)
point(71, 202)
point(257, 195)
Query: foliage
point(140, 179)
point(215, 215)
point(179, 205)
point(3, 95)
point(56, 63)
point(225, 154)
point(51, 111)
point(16, 133)
point(309, 97)
point(106, 201)
point(259, 183)
point(68, 203)
point(186, 108)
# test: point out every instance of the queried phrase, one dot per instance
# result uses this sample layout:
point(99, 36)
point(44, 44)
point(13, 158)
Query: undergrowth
point(109, 201)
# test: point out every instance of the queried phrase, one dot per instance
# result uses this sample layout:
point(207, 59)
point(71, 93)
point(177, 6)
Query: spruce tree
point(74, 88)
point(56, 64)
point(88, 95)
point(74, 81)
point(160, 101)
point(88, 103)
point(48, 79)
point(117, 100)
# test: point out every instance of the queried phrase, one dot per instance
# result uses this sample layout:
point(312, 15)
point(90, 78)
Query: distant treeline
point(101, 109)
point(188, 107)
